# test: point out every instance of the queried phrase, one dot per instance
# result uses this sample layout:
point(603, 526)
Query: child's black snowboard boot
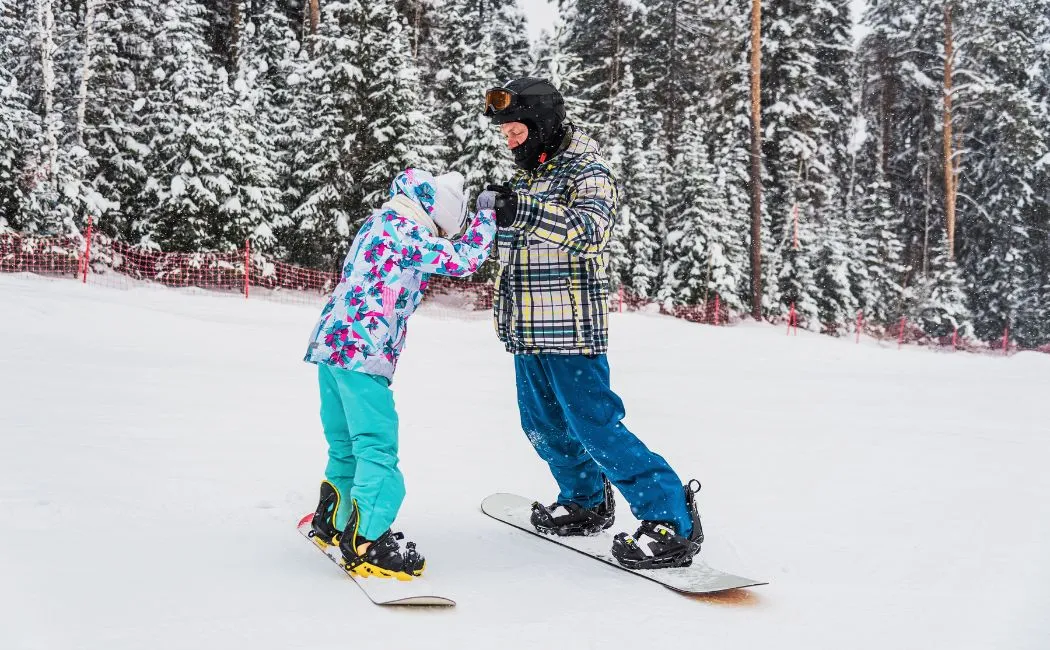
point(322, 527)
point(656, 544)
point(384, 558)
point(573, 519)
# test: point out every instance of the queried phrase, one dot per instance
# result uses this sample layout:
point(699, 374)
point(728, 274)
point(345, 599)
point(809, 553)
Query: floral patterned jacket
point(363, 325)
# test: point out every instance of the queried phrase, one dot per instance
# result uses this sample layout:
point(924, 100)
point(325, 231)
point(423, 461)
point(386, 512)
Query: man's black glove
point(501, 199)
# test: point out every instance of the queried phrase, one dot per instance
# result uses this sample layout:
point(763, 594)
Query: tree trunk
point(85, 67)
point(236, 29)
point(949, 165)
point(415, 35)
point(46, 23)
point(314, 14)
point(614, 72)
point(756, 159)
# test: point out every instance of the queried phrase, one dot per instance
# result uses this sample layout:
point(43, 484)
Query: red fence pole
point(621, 298)
point(860, 323)
point(955, 338)
point(1006, 340)
point(900, 336)
point(247, 265)
point(718, 308)
point(792, 320)
point(87, 249)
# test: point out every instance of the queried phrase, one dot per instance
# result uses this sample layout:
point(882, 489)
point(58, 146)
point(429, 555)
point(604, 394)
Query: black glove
point(503, 200)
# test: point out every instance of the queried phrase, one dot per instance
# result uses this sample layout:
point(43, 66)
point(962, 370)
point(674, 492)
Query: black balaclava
point(538, 147)
point(541, 108)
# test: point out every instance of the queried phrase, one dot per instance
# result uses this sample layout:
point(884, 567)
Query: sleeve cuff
point(523, 215)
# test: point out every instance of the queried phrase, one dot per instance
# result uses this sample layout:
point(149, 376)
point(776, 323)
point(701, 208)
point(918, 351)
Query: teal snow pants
point(360, 424)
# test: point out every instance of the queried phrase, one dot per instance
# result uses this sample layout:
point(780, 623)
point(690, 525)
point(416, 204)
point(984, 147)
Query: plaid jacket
point(552, 291)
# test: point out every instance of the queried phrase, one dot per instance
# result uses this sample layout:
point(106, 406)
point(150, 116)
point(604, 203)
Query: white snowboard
point(696, 579)
point(381, 591)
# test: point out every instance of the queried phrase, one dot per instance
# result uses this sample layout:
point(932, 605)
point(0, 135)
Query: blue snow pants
point(360, 424)
point(573, 420)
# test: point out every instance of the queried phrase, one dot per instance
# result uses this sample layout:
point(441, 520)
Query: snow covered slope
point(157, 449)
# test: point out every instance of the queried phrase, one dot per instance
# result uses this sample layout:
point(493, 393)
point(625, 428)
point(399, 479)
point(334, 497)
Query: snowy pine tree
point(367, 123)
point(1004, 134)
point(939, 297)
point(272, 52)
point(322, 168)
point(632, 162)
point(705, 243)
point(475, 147)
point(396, 130)
point(118, 59)
point(559, 64)
point(247, 173)
point(877, 250)
point(806, 101)
point(179, 203)
point(602, 35)
point(901, 68)
point(19, 126)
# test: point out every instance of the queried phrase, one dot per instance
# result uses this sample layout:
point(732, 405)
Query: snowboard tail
point(381, 589)
point(698, 578)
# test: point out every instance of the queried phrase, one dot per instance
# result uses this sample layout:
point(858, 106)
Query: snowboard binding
point(572, 519)
point(322, 527)
point(384, 557)
point(656, 544)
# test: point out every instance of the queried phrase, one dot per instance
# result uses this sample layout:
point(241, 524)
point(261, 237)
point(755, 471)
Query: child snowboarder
point(356, 345)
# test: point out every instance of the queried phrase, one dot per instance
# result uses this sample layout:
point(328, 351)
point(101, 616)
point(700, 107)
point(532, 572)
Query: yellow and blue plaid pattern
point(552, 292)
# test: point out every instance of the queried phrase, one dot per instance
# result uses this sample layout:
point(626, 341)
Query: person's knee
point(377, 449)
point(341, 456)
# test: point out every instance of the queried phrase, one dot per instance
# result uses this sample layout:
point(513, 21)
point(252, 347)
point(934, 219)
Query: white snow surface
point(157, 448)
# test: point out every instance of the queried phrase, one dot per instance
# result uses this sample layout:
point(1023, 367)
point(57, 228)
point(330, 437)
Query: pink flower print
point(375, 253)
point(390, 352)
point(473, 237)
point(362, 313)
point(376, 290)
point(412, 257)
point(355, 297)
point(388, 264)
point(337, 334)
point(342, 356)
point(391, 216)
point(451, 267)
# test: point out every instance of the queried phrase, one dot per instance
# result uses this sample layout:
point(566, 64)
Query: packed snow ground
point(157, 448)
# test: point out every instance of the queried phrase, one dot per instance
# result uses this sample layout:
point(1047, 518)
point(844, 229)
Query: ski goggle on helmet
point(498, 100)
point(528, 98)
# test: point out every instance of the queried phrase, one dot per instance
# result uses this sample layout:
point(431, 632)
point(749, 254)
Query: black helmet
point(527, 99)
point(535, 103)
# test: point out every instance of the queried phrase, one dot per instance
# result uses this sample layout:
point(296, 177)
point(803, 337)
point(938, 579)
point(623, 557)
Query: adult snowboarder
point(555, 219)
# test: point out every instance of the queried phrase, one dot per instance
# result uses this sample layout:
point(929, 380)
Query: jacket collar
point(408, 208)
point(575, 144)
